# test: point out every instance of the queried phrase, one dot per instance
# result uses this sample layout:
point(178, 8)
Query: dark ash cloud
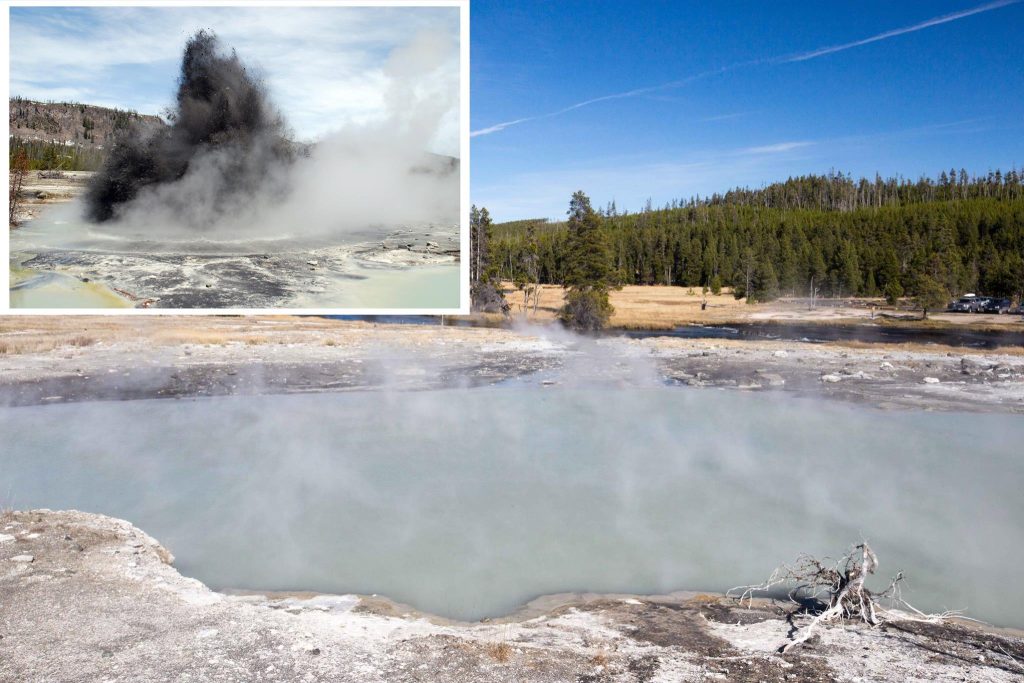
point(223, 122)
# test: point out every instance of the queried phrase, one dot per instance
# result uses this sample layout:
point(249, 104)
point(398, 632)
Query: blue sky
point(325, 67)
point(940, 85)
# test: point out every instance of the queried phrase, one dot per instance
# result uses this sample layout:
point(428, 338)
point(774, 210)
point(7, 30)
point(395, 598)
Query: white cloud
point(323, 66)
point(777, 148)
point(723, 117)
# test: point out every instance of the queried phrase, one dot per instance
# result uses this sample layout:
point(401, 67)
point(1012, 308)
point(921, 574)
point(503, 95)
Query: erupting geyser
point(224, 206)
point(223, 129)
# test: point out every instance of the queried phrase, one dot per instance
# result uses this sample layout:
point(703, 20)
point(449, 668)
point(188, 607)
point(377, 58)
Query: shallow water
point(30, 289)
point(467, 503)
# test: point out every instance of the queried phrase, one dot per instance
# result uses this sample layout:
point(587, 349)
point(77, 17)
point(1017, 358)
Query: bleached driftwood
point(840, 591)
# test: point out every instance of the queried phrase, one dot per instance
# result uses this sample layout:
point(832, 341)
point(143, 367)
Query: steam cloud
point(227, 166)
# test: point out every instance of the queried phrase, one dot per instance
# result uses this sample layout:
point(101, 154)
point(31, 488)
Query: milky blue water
point(467, 503)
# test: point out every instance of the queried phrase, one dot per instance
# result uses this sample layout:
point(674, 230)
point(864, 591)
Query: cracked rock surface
point(76, 359)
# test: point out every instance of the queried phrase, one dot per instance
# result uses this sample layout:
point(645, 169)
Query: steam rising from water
point(226, 167)
point(468, 502)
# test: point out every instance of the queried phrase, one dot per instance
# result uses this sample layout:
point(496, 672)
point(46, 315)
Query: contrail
point(604, 98)
point(800, 57)
point(944, 19)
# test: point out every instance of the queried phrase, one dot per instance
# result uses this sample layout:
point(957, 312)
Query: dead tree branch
point(838, 592)
point(19, 167)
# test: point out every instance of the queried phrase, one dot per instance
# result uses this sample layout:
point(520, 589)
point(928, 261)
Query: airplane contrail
point(604, 98)
point(944, 19)
point(786, 59)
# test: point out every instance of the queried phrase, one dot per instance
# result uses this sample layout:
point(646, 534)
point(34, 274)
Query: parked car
point(968, 303)
point(998, 306)
point(980, 303)
point(961, 305)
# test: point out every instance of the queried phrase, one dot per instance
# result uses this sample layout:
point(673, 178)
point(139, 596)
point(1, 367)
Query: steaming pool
point(468, 503)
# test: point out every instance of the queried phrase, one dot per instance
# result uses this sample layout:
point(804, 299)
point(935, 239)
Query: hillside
point(825, 235)
point(72, 136)
point(70, 123)
point(67, 135)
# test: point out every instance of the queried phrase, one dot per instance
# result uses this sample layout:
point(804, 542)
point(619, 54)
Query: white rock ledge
point(101, 601)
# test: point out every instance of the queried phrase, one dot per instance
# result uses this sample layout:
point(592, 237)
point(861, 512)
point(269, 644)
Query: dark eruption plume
point(223, 130)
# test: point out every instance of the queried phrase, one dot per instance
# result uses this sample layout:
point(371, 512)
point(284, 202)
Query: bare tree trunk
point(18, 170)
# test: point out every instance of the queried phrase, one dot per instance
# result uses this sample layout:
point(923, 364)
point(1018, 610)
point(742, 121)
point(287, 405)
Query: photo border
point(464, 160)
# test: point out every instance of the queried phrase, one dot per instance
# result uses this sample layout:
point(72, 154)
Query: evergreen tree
point(931, 295)
point(485, 285)
point(816, 271)
point(826, 231)
point(870, 286)
point(765, 284)
point(849, 270)
point(590, 272)
point(744, 278)
point(893, 292)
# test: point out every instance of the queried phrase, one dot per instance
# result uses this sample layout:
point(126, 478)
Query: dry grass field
point(38, 334)
point(636, 307)
point(652, 307)
point(661, 307)
point(22, 334)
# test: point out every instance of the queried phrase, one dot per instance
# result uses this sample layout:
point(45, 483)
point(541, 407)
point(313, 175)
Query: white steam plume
point(370, 176)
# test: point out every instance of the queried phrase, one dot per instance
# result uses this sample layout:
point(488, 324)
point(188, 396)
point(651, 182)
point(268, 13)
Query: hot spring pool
point(61, 261)
point(467, 503)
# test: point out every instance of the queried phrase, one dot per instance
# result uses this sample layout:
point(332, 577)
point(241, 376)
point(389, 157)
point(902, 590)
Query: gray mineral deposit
point(134, 617)
point(57, 253)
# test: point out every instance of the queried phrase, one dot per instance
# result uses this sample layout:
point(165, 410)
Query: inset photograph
point(236, 158)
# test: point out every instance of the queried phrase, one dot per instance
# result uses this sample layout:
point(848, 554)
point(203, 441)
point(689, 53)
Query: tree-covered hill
point(829, 234)
point(70, 136)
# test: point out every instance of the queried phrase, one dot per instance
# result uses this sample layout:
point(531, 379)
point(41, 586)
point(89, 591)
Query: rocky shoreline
point(943, 379)
point(85, 597)
point(88, 597)
point(175, 357)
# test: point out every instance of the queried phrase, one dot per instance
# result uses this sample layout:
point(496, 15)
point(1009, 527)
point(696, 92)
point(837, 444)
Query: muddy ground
point(57, 360)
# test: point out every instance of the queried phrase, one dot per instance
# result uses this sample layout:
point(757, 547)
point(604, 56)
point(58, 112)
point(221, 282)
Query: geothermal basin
point(59, 260)
point(467, 503)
